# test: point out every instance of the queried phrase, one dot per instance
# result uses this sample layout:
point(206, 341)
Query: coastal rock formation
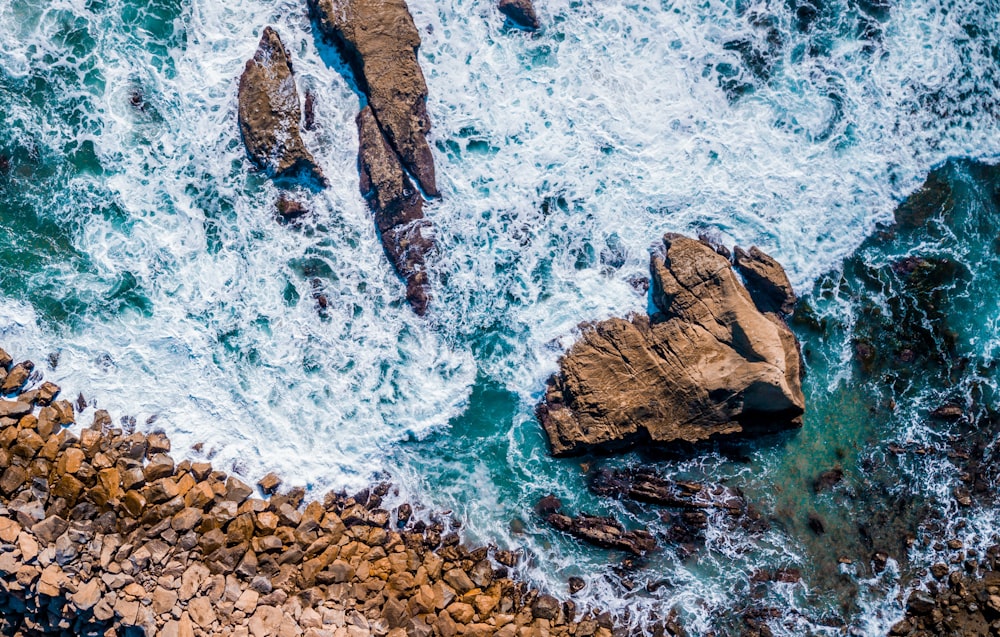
point(269, 113)
point(647, 486)
point(603, 532)
point(709, 364)
point(379, 42)
point(520, 13)
point(104, 533)
point(765, 280)
point(397, 208)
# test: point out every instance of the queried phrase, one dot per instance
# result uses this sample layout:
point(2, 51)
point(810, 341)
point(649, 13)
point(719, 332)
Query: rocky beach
point(103, 533)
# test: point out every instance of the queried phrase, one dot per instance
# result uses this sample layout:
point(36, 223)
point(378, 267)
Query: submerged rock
point(709, 364)
point(269, 113)
point(379, 42)
point(397, 208)
point(521, 13)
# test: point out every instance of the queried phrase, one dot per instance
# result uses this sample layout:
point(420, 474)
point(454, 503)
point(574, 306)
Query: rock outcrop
point(765, 280)
point(708, 364)
point(103, 533)
point(397, 208)
point(379, 41)
point(604, 532)
point(269, 113)
point(520, 13)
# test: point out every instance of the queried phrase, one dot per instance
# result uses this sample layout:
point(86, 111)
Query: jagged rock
point(604, 532)
point(647, 486)
point(709, 364)
point(397, 208)
point(269, 113)
point(379, 42)
point(520, 13)
point(16, 378)
point(766, 281)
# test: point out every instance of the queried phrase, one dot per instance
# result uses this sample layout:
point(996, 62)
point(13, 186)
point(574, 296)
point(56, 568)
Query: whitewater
point(145, 267)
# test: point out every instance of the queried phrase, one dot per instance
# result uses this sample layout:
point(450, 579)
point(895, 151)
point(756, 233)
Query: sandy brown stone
point(766, 281)
point(397, 208)
point(269, 113)
point(379, 41)
point(709, 365)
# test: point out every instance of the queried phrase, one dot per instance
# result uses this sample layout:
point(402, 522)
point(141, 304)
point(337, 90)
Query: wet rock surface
point(397, 208)
point(521, 13)
point(379, 41)
point(644, 485)
point(605, 532)
point(102, 532)
point(709, 364)
point(269, 113)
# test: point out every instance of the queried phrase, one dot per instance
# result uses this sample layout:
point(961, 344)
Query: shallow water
point(145, 267)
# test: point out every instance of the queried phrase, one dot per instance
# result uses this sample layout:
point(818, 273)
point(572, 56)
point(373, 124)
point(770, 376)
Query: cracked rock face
point(379, 41)
point(397, 208)
point(709, 364)
point(269, 113)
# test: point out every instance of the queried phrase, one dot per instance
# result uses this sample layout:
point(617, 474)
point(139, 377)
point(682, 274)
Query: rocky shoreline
point(102, 532)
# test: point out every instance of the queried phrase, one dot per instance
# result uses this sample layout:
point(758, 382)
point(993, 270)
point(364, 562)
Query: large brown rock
point(379, 42)
point(765, 280)
point(397, 208)
point(709, 364)
point(269, 113)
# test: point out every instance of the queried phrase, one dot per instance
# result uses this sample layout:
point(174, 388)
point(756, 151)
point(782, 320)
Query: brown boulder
point(397, 208)
point(269, 113)
point(709, 364)
point(604, 532)
point(521, 13)
point(766, 281)
point(379, 42)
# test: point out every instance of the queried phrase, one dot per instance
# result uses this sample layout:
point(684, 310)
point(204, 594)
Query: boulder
point(379, 42)
point(604, 532)
point(709, 364)
point(765, 280)
point(520, 13)
point(397, 208)
point(269, 113)
point(644, 485)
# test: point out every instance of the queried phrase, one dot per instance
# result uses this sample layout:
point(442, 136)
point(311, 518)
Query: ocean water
point(145, 269)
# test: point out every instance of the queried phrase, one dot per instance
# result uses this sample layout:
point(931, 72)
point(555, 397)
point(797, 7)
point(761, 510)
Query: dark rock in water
point(604, 532)
point(766, 281)
point(815, 524)
point(879, 561)
point(548, 505)
point(269, 113)
point(576, 585)
point(920, 603)
point(708, 365)
point(686, 530)
point(948, 412)
point(647, 486)
point(309, 111)
point(397, 207)
point(932, 199)
point(379, 42)
point(289, 208)
point(521, 13)
point(827, 480)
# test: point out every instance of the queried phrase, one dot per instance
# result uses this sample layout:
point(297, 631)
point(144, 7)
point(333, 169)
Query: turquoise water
point(144, 266)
